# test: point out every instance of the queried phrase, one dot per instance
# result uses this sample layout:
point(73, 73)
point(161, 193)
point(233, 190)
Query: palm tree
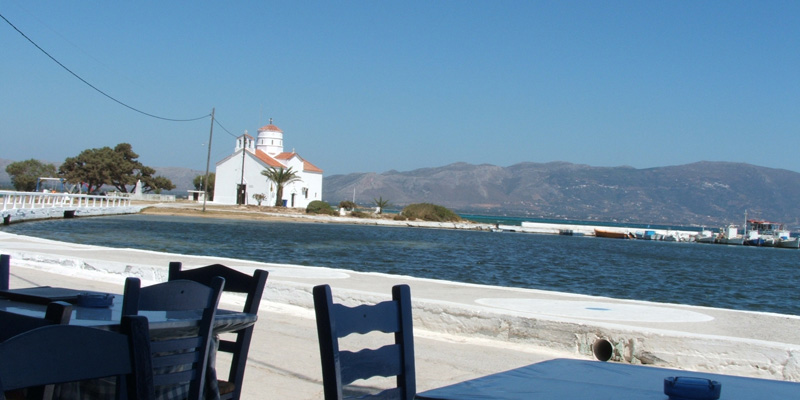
point(381, 204)
point(281, 177)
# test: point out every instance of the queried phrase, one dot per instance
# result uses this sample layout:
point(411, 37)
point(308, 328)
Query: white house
point(238, 176)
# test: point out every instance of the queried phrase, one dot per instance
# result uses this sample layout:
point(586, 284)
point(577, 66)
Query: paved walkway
point(462, 330)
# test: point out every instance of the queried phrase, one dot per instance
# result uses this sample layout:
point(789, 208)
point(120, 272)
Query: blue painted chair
point(342, 367)
point(5, 270)
point(179, 364)
point(12, 324)
point(236, 282)
point(59, 354)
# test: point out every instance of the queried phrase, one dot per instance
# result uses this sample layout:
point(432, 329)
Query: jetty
point(590, 230)
point(27, 206)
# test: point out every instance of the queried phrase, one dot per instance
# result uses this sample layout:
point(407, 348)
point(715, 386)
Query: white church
point(238, 176)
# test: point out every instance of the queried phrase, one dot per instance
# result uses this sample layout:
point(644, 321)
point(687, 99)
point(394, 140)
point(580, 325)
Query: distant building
point(238, 176)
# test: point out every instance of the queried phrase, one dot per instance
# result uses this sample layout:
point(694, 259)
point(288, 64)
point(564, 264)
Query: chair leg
point(5, 271)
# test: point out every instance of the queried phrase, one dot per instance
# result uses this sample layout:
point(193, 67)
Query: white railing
point(30, 200)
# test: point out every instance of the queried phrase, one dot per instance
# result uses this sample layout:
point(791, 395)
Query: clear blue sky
point(371, 86)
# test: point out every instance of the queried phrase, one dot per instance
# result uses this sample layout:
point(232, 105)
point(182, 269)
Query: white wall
point(229, 175)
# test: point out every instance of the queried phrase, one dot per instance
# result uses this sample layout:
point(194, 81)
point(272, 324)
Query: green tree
point(280, 177)
point(198, 183)
point(381, 204)
point(157, 184)
point(25, 173)
point(118, 167)
point(91, 167)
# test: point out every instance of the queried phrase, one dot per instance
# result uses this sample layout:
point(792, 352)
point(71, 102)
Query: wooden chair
point(235, 282)
point(12, 324)
point(63, 353)
point(178, 363)
point(5, 270)
point(340, 367)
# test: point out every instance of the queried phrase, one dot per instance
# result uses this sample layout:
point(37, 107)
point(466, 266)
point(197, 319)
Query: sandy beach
point(462, 331)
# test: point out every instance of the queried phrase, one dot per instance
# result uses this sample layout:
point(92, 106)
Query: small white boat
point(789, 243)
point(730, 235)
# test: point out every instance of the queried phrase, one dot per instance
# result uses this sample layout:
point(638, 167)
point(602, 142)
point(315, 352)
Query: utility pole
point(241, 184)
point(208, 160)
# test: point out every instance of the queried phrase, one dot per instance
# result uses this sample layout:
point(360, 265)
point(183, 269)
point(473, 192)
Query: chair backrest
point(236, 282)
point(180, 361)
point(12, 324)
point(5, 270)
point(342, 367)
point(64, 353)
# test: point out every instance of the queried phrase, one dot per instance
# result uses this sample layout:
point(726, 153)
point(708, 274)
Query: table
point(582, 379)
point(163, 324)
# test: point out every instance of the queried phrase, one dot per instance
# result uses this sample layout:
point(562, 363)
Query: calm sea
point(737, 277)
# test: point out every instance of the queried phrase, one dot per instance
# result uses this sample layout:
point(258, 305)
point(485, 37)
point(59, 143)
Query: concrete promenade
point(461, 330)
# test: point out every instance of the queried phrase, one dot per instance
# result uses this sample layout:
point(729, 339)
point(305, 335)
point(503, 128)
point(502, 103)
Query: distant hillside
point(703, 193)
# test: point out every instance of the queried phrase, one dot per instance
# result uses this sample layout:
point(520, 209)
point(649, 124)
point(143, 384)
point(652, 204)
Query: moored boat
point(730, 235)
point(765, 233)
point(612, 234)
point(789, 243)
point(704, 237)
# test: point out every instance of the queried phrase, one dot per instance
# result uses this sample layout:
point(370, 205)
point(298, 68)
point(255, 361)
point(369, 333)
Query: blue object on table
point(560, 379)
point(95, 300)
point(690, 388)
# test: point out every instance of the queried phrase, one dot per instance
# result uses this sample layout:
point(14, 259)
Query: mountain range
point(703, 193)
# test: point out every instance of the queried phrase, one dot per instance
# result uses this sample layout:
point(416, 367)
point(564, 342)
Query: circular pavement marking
point(597, 310)
point(309, 273)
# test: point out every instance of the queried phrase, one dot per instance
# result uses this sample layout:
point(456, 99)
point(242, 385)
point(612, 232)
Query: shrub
point(347, 205)
point(399, 217)
point(319, 207)
point(430, 212)
point(359, 214)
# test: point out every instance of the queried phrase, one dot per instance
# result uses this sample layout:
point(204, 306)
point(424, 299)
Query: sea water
point(736, 277)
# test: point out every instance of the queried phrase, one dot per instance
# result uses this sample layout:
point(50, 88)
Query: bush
point(319, 207)
point(399, 217)
point(430, 212)
point(347, 205)
point(360, 214)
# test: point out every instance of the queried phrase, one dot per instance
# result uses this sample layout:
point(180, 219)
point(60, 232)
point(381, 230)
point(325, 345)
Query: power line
point(216, 121)
point(94, 87)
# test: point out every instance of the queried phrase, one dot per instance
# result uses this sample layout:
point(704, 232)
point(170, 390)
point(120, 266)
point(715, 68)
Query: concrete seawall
point(29, 206)
point(32, 214)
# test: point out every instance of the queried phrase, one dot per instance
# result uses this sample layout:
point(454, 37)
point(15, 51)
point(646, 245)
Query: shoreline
point(281, 214)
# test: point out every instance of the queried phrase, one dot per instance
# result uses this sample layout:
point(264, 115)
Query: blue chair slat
point(12, 324)
point(366, 363)
point(184, 360)
point(381, 317)
point(340, 368)
point(5, 270)
point(76, 353)
point(236, 282)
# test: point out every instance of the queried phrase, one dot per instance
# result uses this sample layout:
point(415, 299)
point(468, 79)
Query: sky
point(374, 86)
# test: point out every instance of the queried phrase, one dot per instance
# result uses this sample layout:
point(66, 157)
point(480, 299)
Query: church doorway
point(241, 194)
